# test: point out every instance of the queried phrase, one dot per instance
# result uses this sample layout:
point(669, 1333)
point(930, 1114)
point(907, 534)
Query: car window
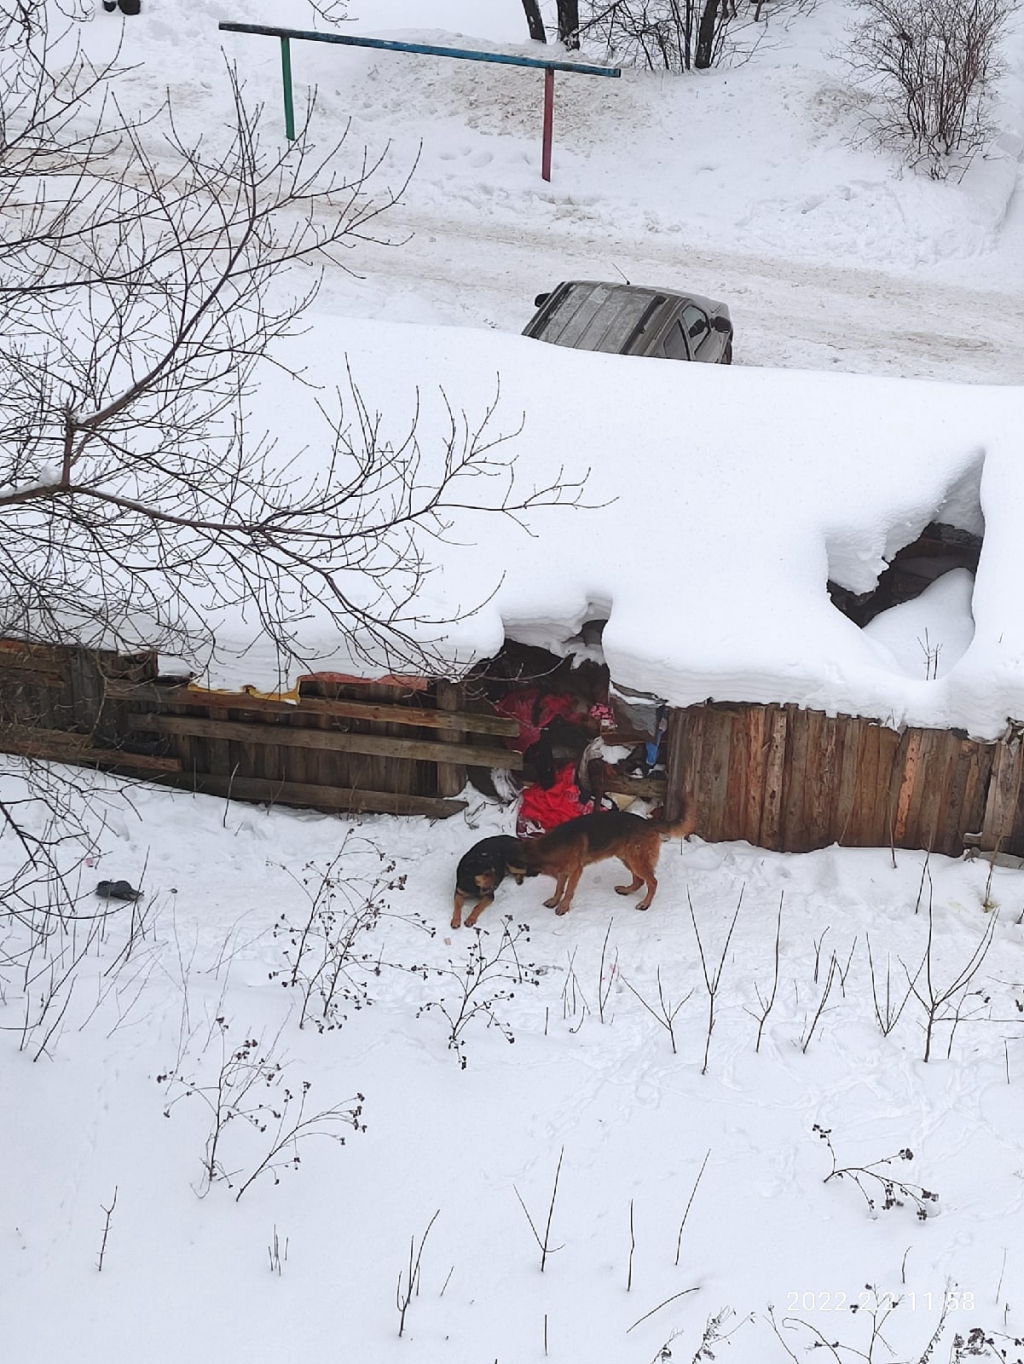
point(697, 326)
point(674, 344)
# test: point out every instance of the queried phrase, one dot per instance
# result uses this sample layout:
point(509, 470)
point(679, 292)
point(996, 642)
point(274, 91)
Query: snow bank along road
point(792, 314)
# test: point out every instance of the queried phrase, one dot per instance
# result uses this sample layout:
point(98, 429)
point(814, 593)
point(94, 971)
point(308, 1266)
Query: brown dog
point(568, 848)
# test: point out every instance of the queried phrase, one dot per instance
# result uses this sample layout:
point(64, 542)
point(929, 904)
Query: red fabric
point(542, 810)
point(532, 713)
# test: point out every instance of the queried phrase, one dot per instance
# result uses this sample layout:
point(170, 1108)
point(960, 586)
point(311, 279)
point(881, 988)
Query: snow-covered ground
point(188, 1271)
point(754, 184)
point(744, 184)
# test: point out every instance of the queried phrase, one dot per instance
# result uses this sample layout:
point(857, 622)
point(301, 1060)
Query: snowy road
point(794, 314)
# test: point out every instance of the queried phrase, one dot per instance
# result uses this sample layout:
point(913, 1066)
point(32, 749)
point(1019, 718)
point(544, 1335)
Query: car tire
point(727, 353)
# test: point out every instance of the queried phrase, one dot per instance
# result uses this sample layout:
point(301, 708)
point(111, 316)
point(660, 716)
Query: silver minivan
point(627, 319)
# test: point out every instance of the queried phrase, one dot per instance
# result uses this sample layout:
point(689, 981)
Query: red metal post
point(549, 119)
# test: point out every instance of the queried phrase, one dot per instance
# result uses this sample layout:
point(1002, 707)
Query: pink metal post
point(549, 119)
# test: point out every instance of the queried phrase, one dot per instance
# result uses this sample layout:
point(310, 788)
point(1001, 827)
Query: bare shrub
point(472, 988)
point(931, 65)
point(328, 961)
point(877, 1185)
point(947, 1003)
point(247, 1089)
point(665, 1012)
point(544, 1242)
point(408, 1285)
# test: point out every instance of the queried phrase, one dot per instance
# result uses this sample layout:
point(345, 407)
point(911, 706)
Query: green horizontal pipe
point(347, 40)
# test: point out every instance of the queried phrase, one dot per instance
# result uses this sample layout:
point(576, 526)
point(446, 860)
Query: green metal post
point(286, 77)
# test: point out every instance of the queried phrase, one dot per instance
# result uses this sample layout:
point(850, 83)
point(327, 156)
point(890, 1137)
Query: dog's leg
point(645, 865)
point(570, 889)
point(636, 882)
point(460, 900)
point(556, 899)
point(487, 900)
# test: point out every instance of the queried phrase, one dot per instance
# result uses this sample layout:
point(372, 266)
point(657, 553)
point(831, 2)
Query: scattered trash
point(117, 890)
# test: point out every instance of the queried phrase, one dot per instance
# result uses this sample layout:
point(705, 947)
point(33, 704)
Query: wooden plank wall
point(389, 746)
point(792, 780)
point(775, 776)
point(355, 746)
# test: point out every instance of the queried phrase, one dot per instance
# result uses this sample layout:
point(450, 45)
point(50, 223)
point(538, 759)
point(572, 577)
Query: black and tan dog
point(565, 850)
point(482, 870)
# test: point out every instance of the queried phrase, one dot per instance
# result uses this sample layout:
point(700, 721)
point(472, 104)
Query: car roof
point(597, 316)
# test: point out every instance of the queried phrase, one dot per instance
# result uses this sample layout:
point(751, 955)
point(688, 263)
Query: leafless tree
point(931, 65)
point(148, 281)
point(569, 23)
point(682, 35)
point(535, 21)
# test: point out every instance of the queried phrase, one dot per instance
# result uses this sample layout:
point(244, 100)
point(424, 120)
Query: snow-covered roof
point(720, 502)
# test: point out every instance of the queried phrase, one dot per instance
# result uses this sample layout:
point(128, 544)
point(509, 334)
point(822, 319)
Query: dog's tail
point(683, 825)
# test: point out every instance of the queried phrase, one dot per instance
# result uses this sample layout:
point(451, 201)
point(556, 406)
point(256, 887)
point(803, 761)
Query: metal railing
point(424, 49)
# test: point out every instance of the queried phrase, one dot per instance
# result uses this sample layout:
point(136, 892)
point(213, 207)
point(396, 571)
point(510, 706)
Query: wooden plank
point(460, 721)
point(49, 657)
point(86, 686)
point(756, 757)
point(852, 730)
point(60, 745)
point(18, 670)
point(891, 750)
point(374, 745)
point(775, 766)
point(715, 770)
point(651, 788)
point(676, 789)
point(451, 777)
point(949, 824)
point(737, 760)
point(1015, 837)
point(696, 725)
point(865, 787)
point(683, 774)
point(309, 795)
point(821, 796)
point(1003, 793)
point(814, 756)
point(793, 831)
point(938, 758)
point(892, 774)
point(979, 774)
point(904, 783)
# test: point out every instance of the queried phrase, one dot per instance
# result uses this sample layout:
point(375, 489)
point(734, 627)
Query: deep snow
point(753, 487)
point(830, 260)
point(185, 1276)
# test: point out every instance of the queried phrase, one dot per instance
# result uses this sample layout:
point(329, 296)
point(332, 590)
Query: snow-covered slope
point(718, 503)
point(592, 1079)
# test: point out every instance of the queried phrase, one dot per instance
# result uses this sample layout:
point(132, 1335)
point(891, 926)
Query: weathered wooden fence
point(399, 747)
point(777, 776)
point(792, 780)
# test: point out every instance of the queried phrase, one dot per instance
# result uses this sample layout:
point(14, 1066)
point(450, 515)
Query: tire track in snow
point(787, 313)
